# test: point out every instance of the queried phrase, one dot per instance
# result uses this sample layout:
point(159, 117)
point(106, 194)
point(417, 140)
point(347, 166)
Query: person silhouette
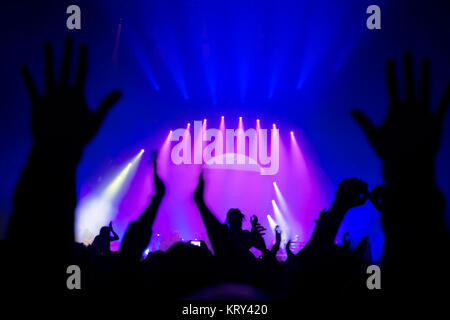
point(241, 238)
point(102, 241)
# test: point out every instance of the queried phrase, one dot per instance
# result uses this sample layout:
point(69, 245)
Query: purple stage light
point(299, 179)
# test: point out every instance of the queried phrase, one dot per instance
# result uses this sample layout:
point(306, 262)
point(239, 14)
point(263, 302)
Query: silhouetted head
point(104, 231)
point(234, 218)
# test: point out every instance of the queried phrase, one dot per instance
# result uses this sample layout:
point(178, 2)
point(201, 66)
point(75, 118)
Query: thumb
point(105, 106)
point(365, 123)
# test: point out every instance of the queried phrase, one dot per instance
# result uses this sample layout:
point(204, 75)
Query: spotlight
point(257, 120)
point(272, 223)
point(100, 207)
point(240, 118)
point(170, 131)
point(223, 117)
point(292, 133)
point(274, 126)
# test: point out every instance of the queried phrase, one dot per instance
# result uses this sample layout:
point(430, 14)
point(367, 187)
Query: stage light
point(274, 126)
point(280, 219)
point(170, 131)
point(222, 125)
point(292, 133)
point(281, 199)
point(241, 126)
point(272, 223)
point(97, 209)
point(117, 184)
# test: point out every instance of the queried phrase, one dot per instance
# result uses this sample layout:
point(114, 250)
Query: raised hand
point(257, 233)
point(138, 234)
point(289, 252)
point(351, 193)
point(61, 118)
point(115, 236)
point(377, 197)
point(257, 228)
point(277, 243)
point(278, 235)
point(411, 133)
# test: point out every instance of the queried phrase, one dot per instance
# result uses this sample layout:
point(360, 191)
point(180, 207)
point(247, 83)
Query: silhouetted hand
point(377, 197)
point(351, 193)
point(277, 243)
point(278, 235)
point(257, 228)
point(61, 118)
point(322, 215)
point(289, 252)
point(362, 250)
point(410, 130)
point(160, 188)
point(257, 233)
point(115, 236)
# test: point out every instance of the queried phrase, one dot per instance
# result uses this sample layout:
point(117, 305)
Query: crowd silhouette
point(42, 223)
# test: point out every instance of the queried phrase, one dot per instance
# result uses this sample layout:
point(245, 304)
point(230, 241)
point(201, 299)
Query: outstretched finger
point(105, 106)
point(48, 66)
point(66, 61)
point(366, 124)
point(29, 82)
point(391, 81)
point(288, 244)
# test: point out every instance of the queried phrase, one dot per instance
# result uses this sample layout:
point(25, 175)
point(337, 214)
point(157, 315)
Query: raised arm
point(351, 193)
point(139, 232)
point(115, 236)
point(62, 124)
point(208, 217)
point(407, 142)
point(277, 244)
point(217, 232)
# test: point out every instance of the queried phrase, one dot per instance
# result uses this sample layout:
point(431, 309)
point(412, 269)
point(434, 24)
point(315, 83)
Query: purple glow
point(301, 191)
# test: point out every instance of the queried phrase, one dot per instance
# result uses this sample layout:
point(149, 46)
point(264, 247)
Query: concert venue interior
point(300, 66)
